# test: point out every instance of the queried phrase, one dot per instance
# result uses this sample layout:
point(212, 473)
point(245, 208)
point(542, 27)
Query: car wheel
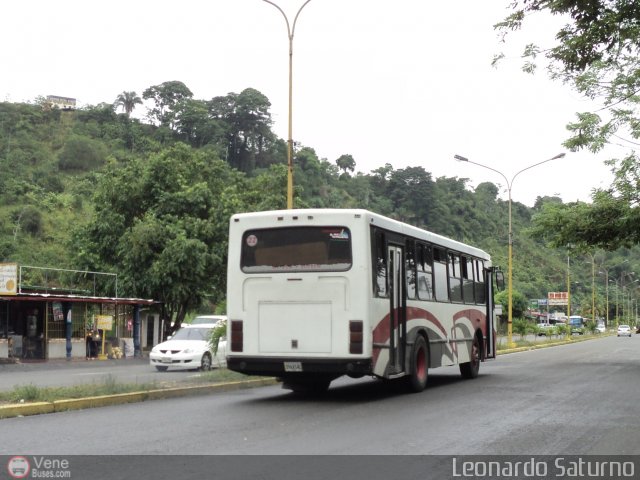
point(161, 368)
point(205, 364)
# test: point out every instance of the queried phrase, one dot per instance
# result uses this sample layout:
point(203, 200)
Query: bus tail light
point(237, 337)
point(355, 336)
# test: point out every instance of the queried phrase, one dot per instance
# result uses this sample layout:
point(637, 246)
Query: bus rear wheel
point(472, 368)
point(418, 366)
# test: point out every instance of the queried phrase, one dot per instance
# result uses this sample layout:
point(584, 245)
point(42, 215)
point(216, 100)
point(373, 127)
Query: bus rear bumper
point(282, 366)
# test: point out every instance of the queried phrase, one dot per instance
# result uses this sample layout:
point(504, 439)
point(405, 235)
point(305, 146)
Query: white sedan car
point(624, 331)
point(189, 349)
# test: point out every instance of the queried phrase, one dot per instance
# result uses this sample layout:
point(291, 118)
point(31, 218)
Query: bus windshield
point(296, 249)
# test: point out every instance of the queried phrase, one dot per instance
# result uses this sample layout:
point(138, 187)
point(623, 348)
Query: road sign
point(558, 298)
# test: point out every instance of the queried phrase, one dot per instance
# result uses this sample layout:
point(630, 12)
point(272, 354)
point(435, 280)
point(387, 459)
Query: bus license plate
point(292, 366)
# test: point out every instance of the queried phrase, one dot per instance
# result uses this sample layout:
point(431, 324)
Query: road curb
point(38, 408)
point(551, 344)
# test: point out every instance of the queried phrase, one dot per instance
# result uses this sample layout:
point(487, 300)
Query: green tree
point(607, 223)
point(128, 101)
point(346, 163)
point(161, 224)
point(166, 97)
point(520, 303)
point(195, 125)
point(250, 142)
point(597, 52)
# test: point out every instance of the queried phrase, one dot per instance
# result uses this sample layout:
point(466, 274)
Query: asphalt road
point(63, 373)
point(577, 399)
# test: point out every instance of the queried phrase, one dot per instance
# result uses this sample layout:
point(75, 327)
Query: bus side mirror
point(499, 280)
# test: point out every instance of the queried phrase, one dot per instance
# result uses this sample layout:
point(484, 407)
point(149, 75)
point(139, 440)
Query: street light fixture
point(290, 32)
point(460, 158)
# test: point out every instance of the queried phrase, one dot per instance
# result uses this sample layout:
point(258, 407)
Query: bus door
point(491, 275)
point(397, 305)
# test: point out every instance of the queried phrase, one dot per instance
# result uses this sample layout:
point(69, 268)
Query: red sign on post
point(558, 298)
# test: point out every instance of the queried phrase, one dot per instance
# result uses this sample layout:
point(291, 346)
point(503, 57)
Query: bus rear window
point(296, 249)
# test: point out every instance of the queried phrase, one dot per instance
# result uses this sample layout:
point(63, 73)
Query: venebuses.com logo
point(38, 467)
point(18, 467)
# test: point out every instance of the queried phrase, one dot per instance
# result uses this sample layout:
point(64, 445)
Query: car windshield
point(192, 334)
point(200, 320)
point(623, 327)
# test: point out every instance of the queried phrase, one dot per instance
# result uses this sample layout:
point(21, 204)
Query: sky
point(404, 82)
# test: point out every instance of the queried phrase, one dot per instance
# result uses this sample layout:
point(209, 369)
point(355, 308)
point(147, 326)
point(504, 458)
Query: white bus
point(315, 294)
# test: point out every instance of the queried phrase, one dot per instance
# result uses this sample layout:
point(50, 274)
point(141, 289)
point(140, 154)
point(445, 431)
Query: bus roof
point(371, 218)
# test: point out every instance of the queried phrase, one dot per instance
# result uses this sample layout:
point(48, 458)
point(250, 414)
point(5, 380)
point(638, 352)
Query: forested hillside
point(97, 189)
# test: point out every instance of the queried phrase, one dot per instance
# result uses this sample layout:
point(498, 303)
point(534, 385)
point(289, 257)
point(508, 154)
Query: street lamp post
point(606, 287)
point(568, 327)
point(510, 251)
point(618, 288)
point(290, 32)
point(593, 287)
point(632, 288)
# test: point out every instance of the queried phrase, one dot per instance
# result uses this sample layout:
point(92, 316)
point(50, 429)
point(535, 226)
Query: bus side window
point(410, 269)
point(440, 275)
point(380, 283)
point(425, 272)
point(467, 280)
point(455, 277)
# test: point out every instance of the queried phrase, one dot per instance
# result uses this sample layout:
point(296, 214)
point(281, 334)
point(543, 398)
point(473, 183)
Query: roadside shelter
point(54, 313)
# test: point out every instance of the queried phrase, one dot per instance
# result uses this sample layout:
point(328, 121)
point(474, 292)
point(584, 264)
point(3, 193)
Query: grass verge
point(110, 386)
point(542, 342)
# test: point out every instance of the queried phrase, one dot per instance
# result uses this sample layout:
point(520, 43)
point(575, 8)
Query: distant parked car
point(624, 331)
point(601, 328)
point(189, 349)
point(546, 329)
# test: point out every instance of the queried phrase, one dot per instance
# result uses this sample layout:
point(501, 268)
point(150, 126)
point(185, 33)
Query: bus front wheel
point(418, 366)
point(472, 368)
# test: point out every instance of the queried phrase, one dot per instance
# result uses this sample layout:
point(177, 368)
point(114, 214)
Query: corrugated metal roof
point(75, 298)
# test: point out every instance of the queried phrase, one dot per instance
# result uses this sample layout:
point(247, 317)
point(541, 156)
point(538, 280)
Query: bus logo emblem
point(252, 240)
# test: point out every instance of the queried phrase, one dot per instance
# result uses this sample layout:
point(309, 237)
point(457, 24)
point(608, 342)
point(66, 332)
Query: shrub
point(521, 326)
point(29, 220)
point(82, 153)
